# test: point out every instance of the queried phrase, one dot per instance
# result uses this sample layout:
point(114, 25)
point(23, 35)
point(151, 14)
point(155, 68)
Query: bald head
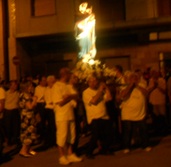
point(93, 82)
point(64, 73)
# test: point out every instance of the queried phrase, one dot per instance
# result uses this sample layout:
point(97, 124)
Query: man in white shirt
point(94, 98)
point(63, 99)
point(40, 107)
point(157, 98)
point(133, 112)
point(50, 137)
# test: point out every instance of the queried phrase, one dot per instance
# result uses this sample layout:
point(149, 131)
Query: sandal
point(32, 152)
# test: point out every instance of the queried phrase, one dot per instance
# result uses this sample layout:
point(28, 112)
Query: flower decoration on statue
point(84, 70)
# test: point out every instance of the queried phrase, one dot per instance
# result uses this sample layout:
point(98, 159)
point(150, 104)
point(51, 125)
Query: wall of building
point(63, 19)
point(24, 66)
point(2, 63)
point(28, 25)
point(140, 56)
point(140, 9)
point(131, 58)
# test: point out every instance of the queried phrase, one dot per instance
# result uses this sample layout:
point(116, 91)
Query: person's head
point(139, 72)
point(64, 74)
point(42, 81)
point(51, 80)
point(73, 79)
point(29, 78)
point(27, 87)
point(13, 85)
point(93, 82)
point(119, 70)
point(127, 76)
point(131, 77)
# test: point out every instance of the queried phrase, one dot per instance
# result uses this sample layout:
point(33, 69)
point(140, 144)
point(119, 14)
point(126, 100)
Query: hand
point(102, 86)
point(66, 97)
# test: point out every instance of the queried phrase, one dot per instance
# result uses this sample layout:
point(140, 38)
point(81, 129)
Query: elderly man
point(64, 101)
point(50, 138)
point(133, 112)
point(94, 98)
point(40, 107)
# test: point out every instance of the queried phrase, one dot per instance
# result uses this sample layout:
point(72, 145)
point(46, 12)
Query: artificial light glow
point(83, 8)
point(86, 58)
point(85, 33)
point(91, 61)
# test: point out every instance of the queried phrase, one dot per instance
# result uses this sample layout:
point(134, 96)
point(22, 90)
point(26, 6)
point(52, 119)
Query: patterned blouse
point(28, 122)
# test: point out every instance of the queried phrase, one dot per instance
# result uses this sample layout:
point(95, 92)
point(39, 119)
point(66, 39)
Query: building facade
point(40, 34)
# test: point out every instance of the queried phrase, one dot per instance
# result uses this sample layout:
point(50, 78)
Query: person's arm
point(66, 99)
point(31, 104)
point(143, 90)
point(152, 85)
point(125, 93)
point(97, 98)
point(162, 86)
point(99, 95)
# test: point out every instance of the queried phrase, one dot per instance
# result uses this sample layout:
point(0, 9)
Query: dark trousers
point(41, 126)
point(12, 125)
point(130, 127)
point(100, 131)
point(1, 137)
point(50, 137)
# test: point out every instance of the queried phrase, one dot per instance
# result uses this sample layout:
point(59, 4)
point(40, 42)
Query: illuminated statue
point(85, 32)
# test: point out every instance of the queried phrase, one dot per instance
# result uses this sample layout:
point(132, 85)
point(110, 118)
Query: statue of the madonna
point(85, 32)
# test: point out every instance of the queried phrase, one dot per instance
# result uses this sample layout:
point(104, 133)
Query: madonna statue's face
point(83, 7)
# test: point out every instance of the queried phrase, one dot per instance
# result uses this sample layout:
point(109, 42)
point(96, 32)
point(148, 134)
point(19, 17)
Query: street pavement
point(159, 156)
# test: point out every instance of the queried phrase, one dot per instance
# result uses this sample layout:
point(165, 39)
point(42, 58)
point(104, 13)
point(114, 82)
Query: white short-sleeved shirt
point(94, 111)
point(39, 92)
point(48, 97)
point(66, 112)
point(156, 96)
point(134, 109)
point(11, 100)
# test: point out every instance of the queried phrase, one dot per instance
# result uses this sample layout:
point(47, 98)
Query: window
point(43, 7)
point(111, 10)
point(164, 8)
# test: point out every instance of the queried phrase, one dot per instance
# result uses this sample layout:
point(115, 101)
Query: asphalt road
point(159, 156)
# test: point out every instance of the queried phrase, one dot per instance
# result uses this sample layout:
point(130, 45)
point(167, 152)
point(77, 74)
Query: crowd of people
point(57, 111)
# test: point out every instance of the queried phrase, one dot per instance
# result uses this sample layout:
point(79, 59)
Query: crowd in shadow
point(123, 130)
